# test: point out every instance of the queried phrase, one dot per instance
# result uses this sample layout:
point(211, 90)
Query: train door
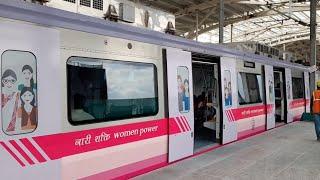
point(205, 72)
point(289, 95)
point(229, 98)
point(280, 96)
point(307, 91)
point(270, 96)
point(30, 74)
point(180, 103)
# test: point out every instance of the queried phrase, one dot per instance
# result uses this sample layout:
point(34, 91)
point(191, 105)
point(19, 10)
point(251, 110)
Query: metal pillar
point(197, 25)
point(313, 39)
point(221, 20)
point(231, 33)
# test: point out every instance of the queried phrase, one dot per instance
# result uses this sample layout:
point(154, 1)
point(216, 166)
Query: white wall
point(157, 21)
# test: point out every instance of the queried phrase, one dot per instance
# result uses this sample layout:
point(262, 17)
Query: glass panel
point(183, 89)
point(297, 88)
point(227, 88)
point(98, 4)
point(85, 3)
point(250, 88)
point(277, 85)
point(19, 92)
point(270, 89)
point(106, 90)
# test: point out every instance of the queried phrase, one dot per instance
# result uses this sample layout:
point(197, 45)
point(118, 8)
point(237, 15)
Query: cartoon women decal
point(28, 110)
point(18, 92)
point(186, 95)
point(9, 100)
point(183, 89)
point(28, 81)
point(227, 88)
point(180, 92)
point(271, 89)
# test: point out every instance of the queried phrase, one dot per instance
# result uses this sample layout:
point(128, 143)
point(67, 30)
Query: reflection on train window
point(183, 89)
point(105, 90)
point(19, 109)
point(297, 88)
point(249, 88)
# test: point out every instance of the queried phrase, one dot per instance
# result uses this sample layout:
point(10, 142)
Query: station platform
point(288, 152)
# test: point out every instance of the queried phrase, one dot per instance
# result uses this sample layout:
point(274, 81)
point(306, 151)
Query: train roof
point(47, 16)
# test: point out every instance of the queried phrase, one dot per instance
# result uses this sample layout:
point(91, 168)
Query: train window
point(19, 112)
point(85, 3)
point(72, 1)
point(183, 89)
point(249, 88)
point(97, 4)
point(102, 90)
point(297, 88)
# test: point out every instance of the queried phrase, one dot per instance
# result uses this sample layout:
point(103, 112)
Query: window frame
point(97, 121)
point(303, 89)
point(260, 95)
point(36, 95)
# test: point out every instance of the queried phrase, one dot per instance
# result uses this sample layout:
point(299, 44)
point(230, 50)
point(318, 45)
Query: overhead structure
point(271, 22)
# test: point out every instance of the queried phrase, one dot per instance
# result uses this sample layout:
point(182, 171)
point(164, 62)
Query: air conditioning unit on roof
point(127, 12)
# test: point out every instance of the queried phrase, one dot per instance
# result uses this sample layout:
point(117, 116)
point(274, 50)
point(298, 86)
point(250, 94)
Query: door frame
point(219, 95)
point(284, 90)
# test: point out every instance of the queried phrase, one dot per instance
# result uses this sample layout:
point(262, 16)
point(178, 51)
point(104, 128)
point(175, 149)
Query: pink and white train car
point(88, 99)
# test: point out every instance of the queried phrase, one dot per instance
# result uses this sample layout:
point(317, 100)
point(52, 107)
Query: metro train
point(83, 98)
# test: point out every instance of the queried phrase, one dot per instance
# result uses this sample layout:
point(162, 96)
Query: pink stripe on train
point(12, 154)
point(186, 120)
point(178, 125)
point(21, 151)
point(88, 140)
point(33, 150)
point(247, 112)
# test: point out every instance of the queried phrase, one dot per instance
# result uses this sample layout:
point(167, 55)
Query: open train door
point(307, 91)
point(288, 83)
point(180, 103)
point(229, 99)
point(270, 97)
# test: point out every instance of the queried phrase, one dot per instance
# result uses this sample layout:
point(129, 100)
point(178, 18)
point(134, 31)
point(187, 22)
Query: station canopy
point(276, 23)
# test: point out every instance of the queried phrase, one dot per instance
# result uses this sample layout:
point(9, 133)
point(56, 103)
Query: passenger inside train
point(206, 104)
